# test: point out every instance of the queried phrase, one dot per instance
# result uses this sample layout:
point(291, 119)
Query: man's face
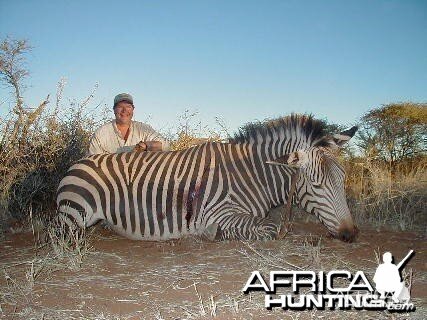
point(123, 112)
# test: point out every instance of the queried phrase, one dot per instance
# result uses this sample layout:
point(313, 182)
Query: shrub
point(382, 195)
point(32, 165)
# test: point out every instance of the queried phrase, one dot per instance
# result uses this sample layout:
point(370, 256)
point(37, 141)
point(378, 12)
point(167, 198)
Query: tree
point(13, 73)
point(394, 132)
point(37, 145)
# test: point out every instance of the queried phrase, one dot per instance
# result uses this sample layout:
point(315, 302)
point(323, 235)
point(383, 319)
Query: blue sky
point(239, 60)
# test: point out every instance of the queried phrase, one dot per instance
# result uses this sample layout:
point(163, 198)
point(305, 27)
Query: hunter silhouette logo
point(388, 280)
point(336, 289)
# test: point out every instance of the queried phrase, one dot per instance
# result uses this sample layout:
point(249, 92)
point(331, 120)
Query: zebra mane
point(313, 129)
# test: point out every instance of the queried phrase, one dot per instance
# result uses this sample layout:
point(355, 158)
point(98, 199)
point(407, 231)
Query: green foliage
point(394, 132)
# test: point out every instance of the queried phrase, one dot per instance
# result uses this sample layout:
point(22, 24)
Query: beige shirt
point(108, 139)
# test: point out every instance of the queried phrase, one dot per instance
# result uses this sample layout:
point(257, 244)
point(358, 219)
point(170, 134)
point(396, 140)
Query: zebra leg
point(242, 226)
point(72, 220)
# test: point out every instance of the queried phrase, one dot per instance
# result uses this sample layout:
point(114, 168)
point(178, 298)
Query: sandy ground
point(190, 278)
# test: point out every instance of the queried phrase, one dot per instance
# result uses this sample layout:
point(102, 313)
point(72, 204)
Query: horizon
point(240, 61)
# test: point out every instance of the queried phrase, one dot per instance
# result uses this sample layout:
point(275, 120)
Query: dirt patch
point(189, 279)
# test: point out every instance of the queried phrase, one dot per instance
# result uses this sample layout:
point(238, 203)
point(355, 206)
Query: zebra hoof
point(275, 215)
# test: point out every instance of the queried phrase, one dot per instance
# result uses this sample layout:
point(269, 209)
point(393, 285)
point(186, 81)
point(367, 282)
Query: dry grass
point(392, 197)
point(56, 248)
point(68, 244)
point(189, 131)
point(36, 150)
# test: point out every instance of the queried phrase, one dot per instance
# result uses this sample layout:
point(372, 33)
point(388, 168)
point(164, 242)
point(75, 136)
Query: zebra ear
point(337, 140)
point(340, 139)
point(294, 159)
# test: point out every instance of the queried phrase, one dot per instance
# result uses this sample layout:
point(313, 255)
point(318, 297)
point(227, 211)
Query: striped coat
point(224, 189)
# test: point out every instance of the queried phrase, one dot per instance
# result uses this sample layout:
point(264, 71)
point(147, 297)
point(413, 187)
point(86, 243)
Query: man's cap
point(123, 97)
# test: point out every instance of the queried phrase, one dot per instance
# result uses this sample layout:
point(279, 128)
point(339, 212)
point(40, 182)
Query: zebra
point(223, 190)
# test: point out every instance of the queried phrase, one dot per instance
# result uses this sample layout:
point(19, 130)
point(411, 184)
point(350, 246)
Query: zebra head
point(320, 188)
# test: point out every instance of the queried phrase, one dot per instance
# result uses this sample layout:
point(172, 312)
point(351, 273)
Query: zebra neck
point(263, 176)
point(277, 179)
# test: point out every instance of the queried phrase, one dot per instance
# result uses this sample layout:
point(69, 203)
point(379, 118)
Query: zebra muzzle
point(348, 234)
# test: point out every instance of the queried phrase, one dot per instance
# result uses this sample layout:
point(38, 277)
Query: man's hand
point(148, 146)
point(141, 146)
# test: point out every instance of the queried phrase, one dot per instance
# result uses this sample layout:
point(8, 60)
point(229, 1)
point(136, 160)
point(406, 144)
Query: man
point(387, 278)
point(124, 135)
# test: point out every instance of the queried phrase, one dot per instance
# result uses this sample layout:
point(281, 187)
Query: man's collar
point(117, 131)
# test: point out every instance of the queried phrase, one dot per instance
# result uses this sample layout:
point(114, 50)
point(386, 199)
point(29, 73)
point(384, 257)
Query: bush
point(382, 195)
point(32, 165)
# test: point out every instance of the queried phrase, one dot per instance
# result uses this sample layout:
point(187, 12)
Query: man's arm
point(156, 142)
point(149, 146)
point(149, 139)
point(95, 146)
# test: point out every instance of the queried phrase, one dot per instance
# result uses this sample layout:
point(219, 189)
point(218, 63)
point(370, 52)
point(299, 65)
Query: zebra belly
point(155, 237)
